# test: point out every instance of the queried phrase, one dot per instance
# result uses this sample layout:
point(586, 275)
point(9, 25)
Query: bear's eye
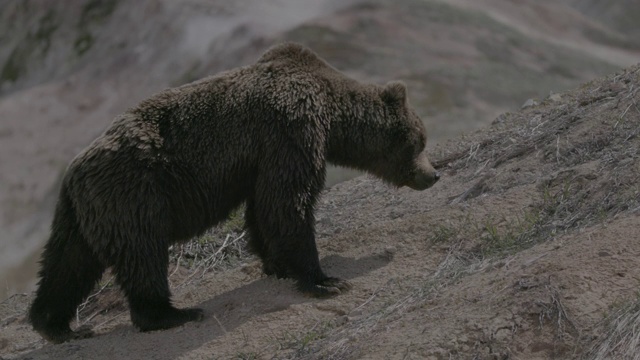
point(422, 141)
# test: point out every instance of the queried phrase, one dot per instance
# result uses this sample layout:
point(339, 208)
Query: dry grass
point(338, 342)
point(581, 152)
point(583, 172)
point(13, 308)
point(564, 141)
point(621, 339)
point(203, 255)
point(555, 311)
point(218, 249)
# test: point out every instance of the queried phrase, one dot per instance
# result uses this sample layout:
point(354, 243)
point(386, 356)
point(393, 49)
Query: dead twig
point(474, 191)
point(86, 302)
point(212, 260)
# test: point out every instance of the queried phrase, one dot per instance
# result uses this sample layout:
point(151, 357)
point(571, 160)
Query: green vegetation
point(36, 43)
point(495, 236)
point(443, 233)
point(248, 356)
point(515, 235)
point(46, 28)
point(621, 338)
point(96, 11)
point(93, 12)
point(15, 65)
point(219, 248)
point(235, 223)
point(83, 43)
point(299, 343)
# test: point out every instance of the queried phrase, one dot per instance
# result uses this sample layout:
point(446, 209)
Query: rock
point(555, 97)
point(390, 251)
point(529, 103)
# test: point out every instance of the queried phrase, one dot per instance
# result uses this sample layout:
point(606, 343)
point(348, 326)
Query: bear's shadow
point(223, 313)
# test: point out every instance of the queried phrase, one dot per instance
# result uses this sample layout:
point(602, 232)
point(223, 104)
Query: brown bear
point(182, 160)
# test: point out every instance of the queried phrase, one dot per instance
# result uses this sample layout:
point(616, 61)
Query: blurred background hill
point(68, 67)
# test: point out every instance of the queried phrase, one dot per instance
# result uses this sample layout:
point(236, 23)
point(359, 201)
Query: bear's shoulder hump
point(290, 52)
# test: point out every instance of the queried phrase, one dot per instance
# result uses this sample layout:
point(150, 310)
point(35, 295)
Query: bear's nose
point(436, 177)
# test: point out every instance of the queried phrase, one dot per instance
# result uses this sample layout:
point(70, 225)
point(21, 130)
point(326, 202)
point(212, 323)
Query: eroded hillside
point(67, 68)
point(526, 249)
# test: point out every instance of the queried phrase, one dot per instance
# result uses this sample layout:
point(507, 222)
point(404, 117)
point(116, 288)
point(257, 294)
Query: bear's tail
point(69, 271)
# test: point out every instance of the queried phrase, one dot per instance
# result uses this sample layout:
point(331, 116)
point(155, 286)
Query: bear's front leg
point(328, 287)
point(297, 254)
point(281, 212)
point(304, 265)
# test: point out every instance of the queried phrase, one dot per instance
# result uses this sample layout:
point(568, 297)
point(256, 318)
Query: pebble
point(529, 103)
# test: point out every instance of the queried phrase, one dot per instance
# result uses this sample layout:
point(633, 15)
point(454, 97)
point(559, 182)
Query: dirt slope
point(527, 249)
point(67, 68)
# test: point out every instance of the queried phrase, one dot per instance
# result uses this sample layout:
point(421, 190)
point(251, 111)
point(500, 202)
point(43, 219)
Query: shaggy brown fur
point(182, 160)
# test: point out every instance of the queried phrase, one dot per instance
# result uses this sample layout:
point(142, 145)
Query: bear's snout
point(424, 180)
point(425, 175)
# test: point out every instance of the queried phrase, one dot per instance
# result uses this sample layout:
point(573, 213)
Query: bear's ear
point(394, 92)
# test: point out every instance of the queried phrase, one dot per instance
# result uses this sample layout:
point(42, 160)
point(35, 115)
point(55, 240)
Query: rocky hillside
point(526, 249)
point(67, 68)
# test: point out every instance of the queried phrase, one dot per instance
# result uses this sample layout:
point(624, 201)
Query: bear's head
point(403, 161)
point(378, 132)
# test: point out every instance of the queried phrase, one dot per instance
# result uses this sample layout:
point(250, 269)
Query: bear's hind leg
point(142, 273)
point(69, 272)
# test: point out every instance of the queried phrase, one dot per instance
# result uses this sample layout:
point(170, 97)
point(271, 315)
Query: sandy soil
point(526, 249)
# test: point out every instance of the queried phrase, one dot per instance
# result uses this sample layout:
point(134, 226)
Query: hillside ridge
point(527, 248)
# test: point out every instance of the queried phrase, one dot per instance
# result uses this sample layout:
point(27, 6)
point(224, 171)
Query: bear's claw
point(328, 287)
point(167, 319)
point(60, 336)
point(342, 285)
